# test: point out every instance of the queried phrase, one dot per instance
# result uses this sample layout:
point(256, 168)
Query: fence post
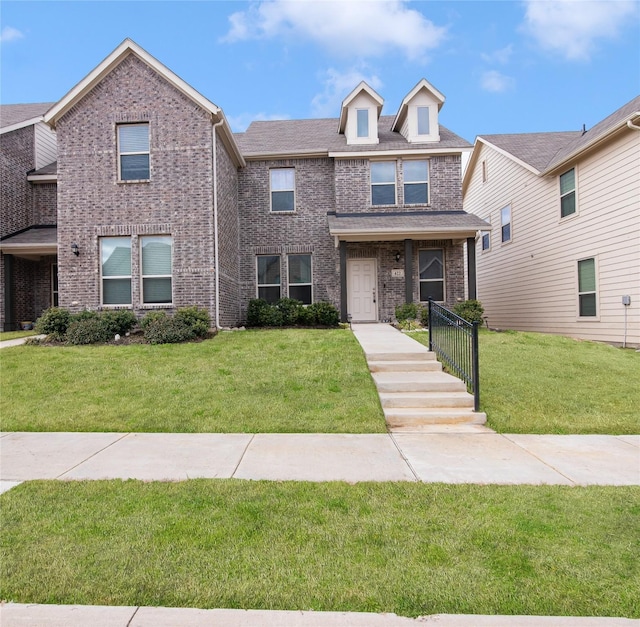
point(476, 368)
point(429, 326)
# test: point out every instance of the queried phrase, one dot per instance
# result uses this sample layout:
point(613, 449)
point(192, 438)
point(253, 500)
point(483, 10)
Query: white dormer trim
point(362, 98)
point(424, 94)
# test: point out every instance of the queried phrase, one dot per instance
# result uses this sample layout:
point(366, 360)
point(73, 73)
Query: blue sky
point(504, 66)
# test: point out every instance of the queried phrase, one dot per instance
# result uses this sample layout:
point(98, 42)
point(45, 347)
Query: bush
point(306, 317)
point(325, 314)
point(166, 330)
point(424, 317)
point(85, 314)
point(408, 311)
point(119, 321)
point(470, 310)
point(195, 319)
point(258, 313)
point(290, 309)
point(151, 317)
point(54, 322)
point(88, 330)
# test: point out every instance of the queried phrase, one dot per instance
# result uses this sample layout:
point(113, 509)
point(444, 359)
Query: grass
point(294, 380)
point(412, 549)
point(14, 335)
point(539, 383)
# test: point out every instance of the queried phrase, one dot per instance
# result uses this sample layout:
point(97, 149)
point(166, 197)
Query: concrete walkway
point(19, 341)
point(436, 457)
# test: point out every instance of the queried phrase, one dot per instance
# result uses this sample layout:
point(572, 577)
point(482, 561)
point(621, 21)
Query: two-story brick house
point(160, 205)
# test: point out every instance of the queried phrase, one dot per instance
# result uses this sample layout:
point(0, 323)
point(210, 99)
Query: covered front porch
point(390, 259)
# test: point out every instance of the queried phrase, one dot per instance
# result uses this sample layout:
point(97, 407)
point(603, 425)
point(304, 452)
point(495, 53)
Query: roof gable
point(423, 85)
point(16, 116)
point(362, 88)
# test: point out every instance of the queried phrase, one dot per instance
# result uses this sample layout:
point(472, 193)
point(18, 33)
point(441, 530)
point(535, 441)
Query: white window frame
point(275, 191)
point(509, 223)
point(141, 239)
point(485, 176)
point(121, 153)
point(123, 276)
point(55, 286)
point(259, 285)
point(428, 113)
point(405, 182)
point(289, 283)
point(368, 126)
point(395, 182)
point(443, 279)
point(573, 191)
point(484, 234)
point(595, 291)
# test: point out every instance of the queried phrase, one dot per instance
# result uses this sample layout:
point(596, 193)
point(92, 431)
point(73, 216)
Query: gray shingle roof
point(321, 136)
point(52, 168)
point(11, 114)
point(34, 236)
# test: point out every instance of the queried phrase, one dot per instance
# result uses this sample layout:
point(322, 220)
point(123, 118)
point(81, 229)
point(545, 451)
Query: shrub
point(88, 330)
point(258, 313)
point(424, 317)
point(325, 314)
point(119, 321)
point(152, 316)
point(306, 317)
point(85, 314)
point(290, 309)
point(166, 330)
point(408, 311)
point(195, 319)
point(54, 322)
point(470, 310)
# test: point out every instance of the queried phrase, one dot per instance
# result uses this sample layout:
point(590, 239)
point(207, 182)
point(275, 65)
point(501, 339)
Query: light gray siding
point(45, 145)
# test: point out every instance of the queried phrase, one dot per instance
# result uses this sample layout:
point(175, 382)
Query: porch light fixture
point(398, 256)
point(75, 249)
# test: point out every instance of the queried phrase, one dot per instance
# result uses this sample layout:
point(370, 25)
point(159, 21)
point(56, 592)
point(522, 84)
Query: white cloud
point(501, 56)
point(365, 28)
point(337, 86)
point(10, 34)
point(572, 27)
point(239, 123)
point(496, 82)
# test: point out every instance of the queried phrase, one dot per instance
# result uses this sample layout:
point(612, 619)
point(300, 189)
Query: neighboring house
point(159, 205)
point(564, 253)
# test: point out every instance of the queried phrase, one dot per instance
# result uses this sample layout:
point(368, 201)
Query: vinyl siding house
point(564, 253)
point(153, 203)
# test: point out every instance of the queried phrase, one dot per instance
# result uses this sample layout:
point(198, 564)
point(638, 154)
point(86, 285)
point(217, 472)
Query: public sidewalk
point(433, 457)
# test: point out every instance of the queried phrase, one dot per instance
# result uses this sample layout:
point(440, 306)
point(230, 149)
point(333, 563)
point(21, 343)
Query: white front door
point(361, 288)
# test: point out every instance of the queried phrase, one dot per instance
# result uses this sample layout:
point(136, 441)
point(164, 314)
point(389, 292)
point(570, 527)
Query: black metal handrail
point(455, 342)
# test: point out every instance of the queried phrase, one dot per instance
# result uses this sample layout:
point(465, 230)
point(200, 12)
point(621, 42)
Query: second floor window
point(568, 193)
point(363, 123)
point(505, 223)
point(486, 240)
point(283, 182)
point(383, 183)
point(416, 182)
point(133, 152)
point(423, 120)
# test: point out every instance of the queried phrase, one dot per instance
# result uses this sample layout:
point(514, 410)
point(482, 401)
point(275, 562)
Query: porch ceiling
point(421, 225)
point(32, 243)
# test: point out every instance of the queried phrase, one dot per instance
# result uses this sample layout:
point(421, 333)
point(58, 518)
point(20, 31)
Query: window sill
point(155, 306)
point(568, 218)
point(133, 182)
point(111, 307)
point(280, 213)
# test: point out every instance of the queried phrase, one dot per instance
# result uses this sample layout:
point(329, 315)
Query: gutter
point(214, 164)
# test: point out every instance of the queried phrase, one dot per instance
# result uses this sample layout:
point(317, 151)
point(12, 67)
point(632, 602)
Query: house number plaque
point(397, 273)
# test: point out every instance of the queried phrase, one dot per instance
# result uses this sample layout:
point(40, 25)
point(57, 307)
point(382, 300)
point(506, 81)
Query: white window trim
point(272, 191)
point(503, 224)
point(54, 291)
point(580, 318)
point(258, 284)
point(575, 191)
point(485, 175)
point(154, 276)
point(123, 276)
point(120, 153)
point(405, 182)
point(395, 182)
point(444, 276)
point(289, 284)
point(482, 248)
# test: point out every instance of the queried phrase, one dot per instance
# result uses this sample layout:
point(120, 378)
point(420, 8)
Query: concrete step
point(414, 416)
point(426, 399)
point(417, 382)
point(405, 366)
point(397, 355)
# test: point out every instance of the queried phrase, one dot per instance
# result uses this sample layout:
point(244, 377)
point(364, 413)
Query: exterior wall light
point(75, 249)
point(398, 256)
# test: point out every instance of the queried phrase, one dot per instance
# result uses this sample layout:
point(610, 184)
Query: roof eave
point(263, 156)
point(18, 125)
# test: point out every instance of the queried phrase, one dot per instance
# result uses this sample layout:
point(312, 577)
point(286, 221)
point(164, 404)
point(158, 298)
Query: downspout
point(633, 126)
point(214, 164)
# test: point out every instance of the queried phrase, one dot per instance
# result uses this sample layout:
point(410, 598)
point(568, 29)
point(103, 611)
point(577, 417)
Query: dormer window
point(363, 122)
point(423, 120)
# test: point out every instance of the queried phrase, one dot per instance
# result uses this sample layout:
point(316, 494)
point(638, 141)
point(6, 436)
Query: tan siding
point(46, 145)
point(531, 283)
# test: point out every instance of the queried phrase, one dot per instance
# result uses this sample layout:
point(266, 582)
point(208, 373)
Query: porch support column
point(9, 296)
point(408, 271)
point(343, 281)
point(471, 268)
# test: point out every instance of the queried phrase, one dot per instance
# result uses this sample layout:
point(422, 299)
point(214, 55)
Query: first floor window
point(383, 183)
point(505, 221)
point(486, 240)
point(568, 193)
point(283, 183)
point(587, 287)
point(269, 277)
point(54, 285)
point(416, 182)
point(156, 252)
point(300, 278)
point(115, 263)
point(133, 152)
point(432, 274)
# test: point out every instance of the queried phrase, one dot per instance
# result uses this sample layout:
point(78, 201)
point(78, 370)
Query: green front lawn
point(412, 549)
point(538, 383)
point(14, 335)
point(293, 380)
